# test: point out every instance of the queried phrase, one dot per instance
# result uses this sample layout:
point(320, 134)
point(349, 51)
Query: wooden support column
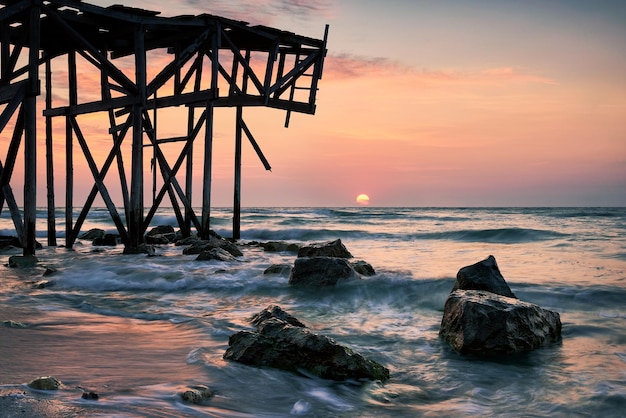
point(69, 150)
point(207, 175)
point(208, 139)
point(52, 238)
point(237, 197)
point(30, 133)
point(135, 223)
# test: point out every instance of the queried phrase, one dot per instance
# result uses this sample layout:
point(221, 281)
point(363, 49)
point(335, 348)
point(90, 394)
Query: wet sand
point(21, 402)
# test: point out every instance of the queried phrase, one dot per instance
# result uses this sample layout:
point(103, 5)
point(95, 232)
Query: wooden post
point(135, 223)
point(69, 151)
point(208, 162)
point(52, 239)
point(208, 139)
point(237, 197)
point(30, 133)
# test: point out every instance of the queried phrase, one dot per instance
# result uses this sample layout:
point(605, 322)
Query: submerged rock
point(327, 249)
point(480, 322)
point(278, 246)
point(283, 342)
point(320, 271)
point(142, 249)
point(45, 383)
point(200, 246)
point(9, 241)
point(90, 396)
point(162, 234)
point(215, 254)
point(14, 324)
point(108, 240)
point(93, 233)
point(363, 268)
point(484, 275)
point(274, 311)
point(21, 261)
point(196, 394)
point(280, 269)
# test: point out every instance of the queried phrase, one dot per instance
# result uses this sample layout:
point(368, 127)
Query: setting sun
point(363, 199)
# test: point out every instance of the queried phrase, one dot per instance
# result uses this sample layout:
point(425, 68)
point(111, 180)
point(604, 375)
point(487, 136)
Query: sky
point(437, 103)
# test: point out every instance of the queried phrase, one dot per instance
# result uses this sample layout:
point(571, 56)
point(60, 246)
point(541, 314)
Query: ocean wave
point(496, 236)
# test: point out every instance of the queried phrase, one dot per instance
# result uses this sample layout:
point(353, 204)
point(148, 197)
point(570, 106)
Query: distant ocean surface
point(137, 329)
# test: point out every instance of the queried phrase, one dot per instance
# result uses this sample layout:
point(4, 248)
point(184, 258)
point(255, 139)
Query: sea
point(137, 330)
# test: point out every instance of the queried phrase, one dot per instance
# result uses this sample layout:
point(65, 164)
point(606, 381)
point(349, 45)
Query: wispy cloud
point(265, 12)
point(340, 67)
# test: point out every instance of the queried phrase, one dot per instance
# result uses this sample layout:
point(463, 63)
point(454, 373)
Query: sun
point(363, 199)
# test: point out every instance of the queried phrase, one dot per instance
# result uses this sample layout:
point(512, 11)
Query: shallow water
point(138, 329)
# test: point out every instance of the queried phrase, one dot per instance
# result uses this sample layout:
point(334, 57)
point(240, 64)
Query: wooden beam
point(135, 224)
point(30, 133)
point(52, 234)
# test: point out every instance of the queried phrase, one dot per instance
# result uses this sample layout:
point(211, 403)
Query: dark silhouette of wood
point(211, 62)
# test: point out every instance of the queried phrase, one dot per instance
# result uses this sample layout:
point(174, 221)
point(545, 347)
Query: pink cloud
point(340, 67)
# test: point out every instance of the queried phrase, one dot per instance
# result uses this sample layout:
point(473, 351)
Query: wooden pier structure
point(203, 61)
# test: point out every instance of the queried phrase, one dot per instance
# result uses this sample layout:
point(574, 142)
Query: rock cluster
point(482, 315)
point(283, 342)
point(326, 264)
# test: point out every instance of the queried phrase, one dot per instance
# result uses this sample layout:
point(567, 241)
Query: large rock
point(320, 271)
point(280, 344)
point(484, 275)
point(327, 249)
point(484, 323)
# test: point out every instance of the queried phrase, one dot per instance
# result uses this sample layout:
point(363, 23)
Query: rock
point(158, 239)
point(200, 246)
point(14, 324)
point(42, 284)
point(162, 234)
point(274, 311)
point(484, 275)
point(49, 271)
point(215, 254)
point(45, 383)
point(196, 394)
point(278, 246)
point(320, 271)
point(363, 268)
point(92, 234)
point(142, 249)
point(91, 396)
point(484, 323)
point(9, 241)
point(161, 230)
point(328, 249)
point(22, 261)
point(110, 240)
point(280, 269)
point(187, 241)
point(279, 344)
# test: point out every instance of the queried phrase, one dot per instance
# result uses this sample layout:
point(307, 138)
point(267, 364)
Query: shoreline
point(19, 401)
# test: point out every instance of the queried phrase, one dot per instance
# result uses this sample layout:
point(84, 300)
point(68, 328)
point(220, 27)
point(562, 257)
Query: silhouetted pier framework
point(211, 62)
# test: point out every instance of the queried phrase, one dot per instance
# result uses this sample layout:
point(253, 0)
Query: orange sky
point(448, 103)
